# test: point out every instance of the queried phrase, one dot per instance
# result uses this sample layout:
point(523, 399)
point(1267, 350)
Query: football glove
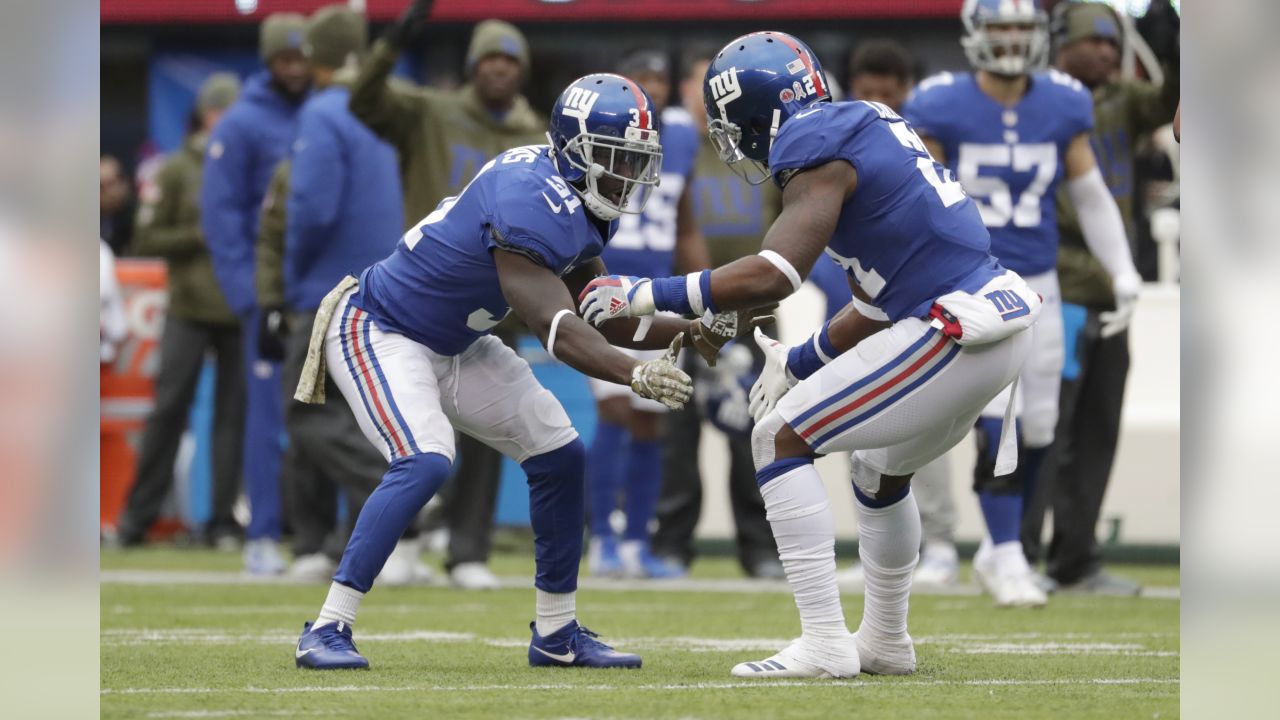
point(1126, 288)
point(774, 380)
point(615, 296)
point(273, 334)
point(661, 380)
point(713, 331)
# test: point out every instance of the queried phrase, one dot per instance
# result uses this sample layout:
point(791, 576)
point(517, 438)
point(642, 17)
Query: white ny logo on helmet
point(578, 105)
point(725, 89)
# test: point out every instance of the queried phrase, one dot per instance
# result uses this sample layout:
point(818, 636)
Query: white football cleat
point(939, 566)
point(1002, 571)
point(404, 566)
point(474, 576)
point(806, 658)
point(881, 656)
point(262, 557)
point(313, 568)
point(852, 579)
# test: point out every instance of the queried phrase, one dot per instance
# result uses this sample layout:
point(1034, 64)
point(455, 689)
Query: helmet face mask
point(608, 151)
point(1005, 40)
point(726, 138)
point(618, 175)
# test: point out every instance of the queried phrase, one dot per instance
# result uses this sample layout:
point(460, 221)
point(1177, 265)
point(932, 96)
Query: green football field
point(184, 636)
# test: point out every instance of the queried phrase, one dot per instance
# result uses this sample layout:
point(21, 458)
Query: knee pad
point(568, 458)
point(762, 439)
point(421, 475)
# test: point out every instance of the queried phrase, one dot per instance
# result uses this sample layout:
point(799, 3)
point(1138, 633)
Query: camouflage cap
point(218, 91)
point(334, 34)
point(1082, 20)
point(279, 32)
point(495, 37)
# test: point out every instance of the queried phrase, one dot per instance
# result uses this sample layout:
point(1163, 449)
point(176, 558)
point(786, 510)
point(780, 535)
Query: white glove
point(774, 380)
point(1126, 288)
point(614, 296)
point(661, 380)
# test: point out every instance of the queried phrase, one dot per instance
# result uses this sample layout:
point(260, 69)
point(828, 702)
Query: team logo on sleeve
point(1008, 303)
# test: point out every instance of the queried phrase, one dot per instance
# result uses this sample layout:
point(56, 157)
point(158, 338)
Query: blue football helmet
point(604, 141)
point(754, 85)
point(1005, 37)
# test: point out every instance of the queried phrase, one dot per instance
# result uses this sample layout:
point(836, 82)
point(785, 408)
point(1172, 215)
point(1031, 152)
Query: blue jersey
point(645, 244)
point(440, 286)
point(909, 234)
point(1009, 159)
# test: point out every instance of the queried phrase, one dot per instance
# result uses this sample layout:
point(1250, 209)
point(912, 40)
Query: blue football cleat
point(575, 646)
point(328, 647)
point(602, 556)
point(639, 562)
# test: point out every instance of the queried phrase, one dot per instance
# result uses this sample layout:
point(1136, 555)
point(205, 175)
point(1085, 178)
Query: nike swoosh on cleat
point(565, 658)
point(303, 653)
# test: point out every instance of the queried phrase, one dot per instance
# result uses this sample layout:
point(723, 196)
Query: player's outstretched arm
point(543, 302)
point(626, 332)
point(707, 334)
point(811, 203)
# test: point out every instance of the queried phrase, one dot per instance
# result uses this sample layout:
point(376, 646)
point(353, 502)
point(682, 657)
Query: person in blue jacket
point(243, 151)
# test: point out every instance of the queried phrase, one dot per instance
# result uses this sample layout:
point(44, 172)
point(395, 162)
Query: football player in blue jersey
point(626, 451)
point(410, 348)
point(1011, 133)
point(936, 329)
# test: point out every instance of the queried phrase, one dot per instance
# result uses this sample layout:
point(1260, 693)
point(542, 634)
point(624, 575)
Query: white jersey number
point(992, 194)
point(949, 191)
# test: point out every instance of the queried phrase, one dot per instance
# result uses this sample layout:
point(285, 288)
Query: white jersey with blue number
point(1009, 159)
point(645, 244)
point(909, 234)
point(440, 287)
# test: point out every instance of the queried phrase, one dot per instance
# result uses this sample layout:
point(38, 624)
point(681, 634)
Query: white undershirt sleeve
point(1100, 223)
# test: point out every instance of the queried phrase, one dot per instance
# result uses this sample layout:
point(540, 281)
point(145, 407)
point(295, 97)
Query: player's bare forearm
point(811, 203)
point(620, 331)
point(538, 296)
point(850, 327)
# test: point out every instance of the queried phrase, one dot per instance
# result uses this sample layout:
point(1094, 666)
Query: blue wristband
point(805, 359)
point(704, 284)
point(670, 294)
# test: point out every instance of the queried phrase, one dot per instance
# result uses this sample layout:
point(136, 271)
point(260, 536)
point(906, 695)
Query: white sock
point(888, 545)
point(797, 509)
point(340, 606)
point(554, 611)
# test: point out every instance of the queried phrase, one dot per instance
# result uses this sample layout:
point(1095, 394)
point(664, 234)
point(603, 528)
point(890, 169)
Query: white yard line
point(725, 585)
point(731, 685)
point(1007, 644)
point(234, 713)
